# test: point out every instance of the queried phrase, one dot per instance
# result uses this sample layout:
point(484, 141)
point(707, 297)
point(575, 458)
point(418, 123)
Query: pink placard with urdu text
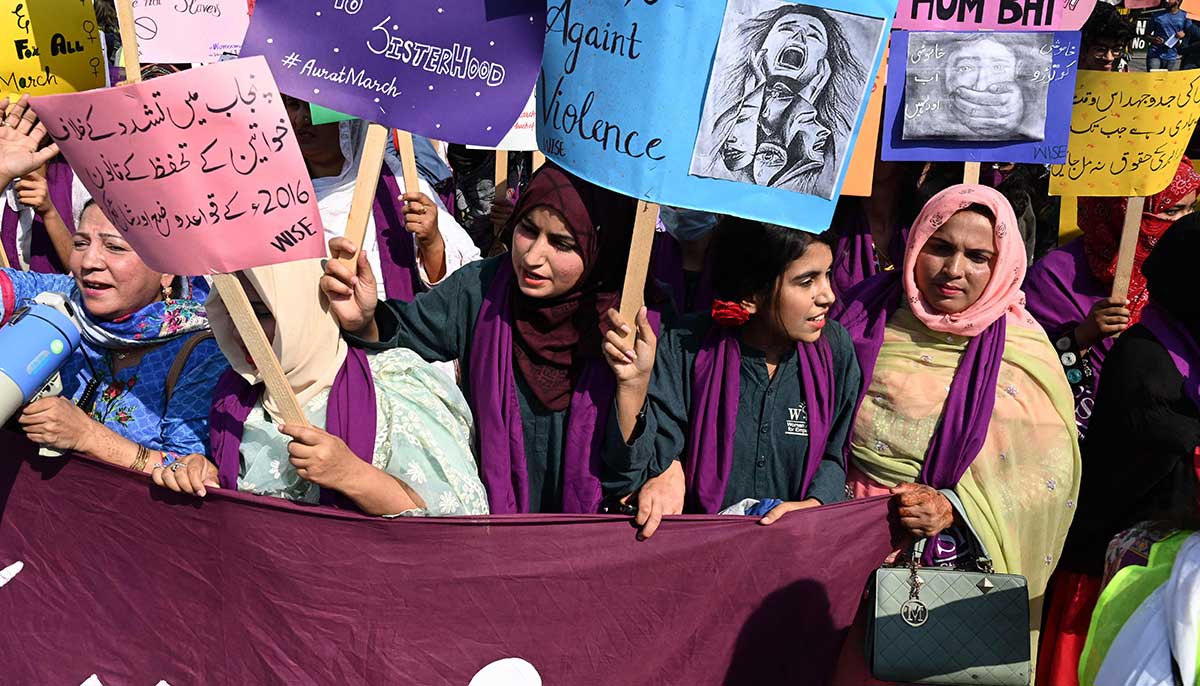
point(200, 170)
point(993, 15)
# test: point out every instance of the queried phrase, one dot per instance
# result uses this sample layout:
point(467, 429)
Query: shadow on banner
point(134, 584)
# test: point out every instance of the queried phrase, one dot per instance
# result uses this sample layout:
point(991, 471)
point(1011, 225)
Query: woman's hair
point(1106, 26)
point(750, 256)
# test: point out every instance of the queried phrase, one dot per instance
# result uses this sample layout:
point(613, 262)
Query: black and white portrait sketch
point(977, 86)
point(785, 92)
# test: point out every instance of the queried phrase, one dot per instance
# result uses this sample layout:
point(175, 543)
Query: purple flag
point(135, 584)
point(447, 70)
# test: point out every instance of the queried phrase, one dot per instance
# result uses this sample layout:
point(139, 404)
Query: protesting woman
point(753, 401)
point(136, 393)
point(527, 328)
point(389, 434)
point(1070, 290)
point(1141, 449)
point(964, 393)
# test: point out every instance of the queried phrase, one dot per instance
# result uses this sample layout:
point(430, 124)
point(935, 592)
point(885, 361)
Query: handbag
point(937, 625)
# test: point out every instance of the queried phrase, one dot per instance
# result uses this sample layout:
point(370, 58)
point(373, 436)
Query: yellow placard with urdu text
point(1128, 133)
point(50, 46)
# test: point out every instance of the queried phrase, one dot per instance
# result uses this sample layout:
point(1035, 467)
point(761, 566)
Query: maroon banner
point(135, 584)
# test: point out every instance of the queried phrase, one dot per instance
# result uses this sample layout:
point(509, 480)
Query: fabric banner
point(980, 97)
point(1128, 133)
point(200, 170)
point(456, 71)
point(189, 30)
point(995, 15)
point(749, 108)
point(50, 46)
point(135, 584)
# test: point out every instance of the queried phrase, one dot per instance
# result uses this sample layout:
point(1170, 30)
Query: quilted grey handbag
point(934, 625)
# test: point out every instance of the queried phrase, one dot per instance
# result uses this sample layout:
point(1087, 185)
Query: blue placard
point(749, 108)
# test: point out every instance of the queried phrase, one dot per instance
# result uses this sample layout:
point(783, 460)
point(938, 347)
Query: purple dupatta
point(713, 421)
point(501, 436)
point(350, 414)
point(397, 255)
point(42, 257)
point(968, 410)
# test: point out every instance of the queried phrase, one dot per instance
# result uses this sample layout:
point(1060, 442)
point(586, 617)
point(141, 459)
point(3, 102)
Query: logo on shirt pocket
point(797, 421)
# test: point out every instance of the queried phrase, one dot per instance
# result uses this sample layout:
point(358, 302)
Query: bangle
point(139, 462)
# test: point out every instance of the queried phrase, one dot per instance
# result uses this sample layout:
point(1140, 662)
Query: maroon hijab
point(552, 336)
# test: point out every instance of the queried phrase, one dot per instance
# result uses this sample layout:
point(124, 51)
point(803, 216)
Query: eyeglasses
point(1106, 50)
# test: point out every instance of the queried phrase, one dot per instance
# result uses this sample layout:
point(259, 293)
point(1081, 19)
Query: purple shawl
point(713, 421)
point(854, 252)
point(349, 414)
point(968, 410)
point(1180, 344)
point(1060, 291)
point(501, 435)
point(667, 267)
point(397, 256)
point(42, 257)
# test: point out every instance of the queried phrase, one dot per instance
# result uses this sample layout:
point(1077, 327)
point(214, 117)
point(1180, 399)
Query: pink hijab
point(1002, 296)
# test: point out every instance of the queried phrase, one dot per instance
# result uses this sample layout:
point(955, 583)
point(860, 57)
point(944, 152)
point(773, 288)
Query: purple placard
point(438, 68)
point(1051, 150)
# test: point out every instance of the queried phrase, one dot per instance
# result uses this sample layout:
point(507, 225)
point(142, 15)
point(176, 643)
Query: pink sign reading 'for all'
point(993, 15)
point(199, 170)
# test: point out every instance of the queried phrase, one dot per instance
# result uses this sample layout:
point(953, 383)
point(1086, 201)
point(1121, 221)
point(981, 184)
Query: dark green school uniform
point(439, 325)
point(771, 439)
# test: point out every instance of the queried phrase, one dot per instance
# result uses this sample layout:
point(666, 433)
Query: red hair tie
point(728, 313)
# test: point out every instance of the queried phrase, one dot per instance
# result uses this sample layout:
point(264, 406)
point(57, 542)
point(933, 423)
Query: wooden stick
point(364, 188)
point(1068, 217)
point(129, 43)
point(408, 162)
point(1129, 239)
point(971, 172)
point(538, 159)
point(633, 294)
point(4, 259)
point(234, 297)
point(501, 175)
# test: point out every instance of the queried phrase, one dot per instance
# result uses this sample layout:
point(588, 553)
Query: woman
point(871, 231)
point(948, 336)
point(681, 258)
point(388, 436)
point(1070, 290)
point(137, 392)
point(527, 329)
point(411, 241)
point(1069, 293)
point(1142, 445)
point(753, 401)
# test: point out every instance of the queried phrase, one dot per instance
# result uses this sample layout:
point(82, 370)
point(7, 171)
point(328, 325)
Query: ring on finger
point(175, 466)
point(158, 466)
